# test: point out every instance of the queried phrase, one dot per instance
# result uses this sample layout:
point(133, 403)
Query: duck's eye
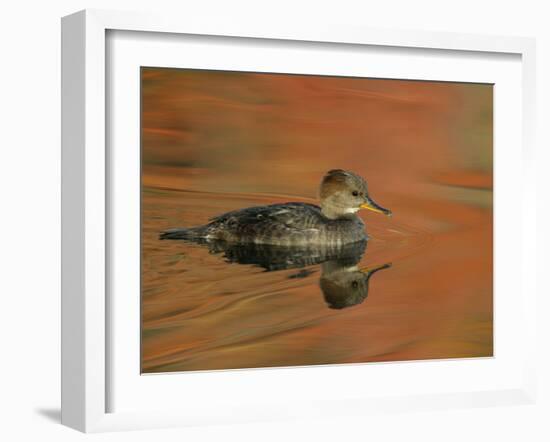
point(355, 284)
point(355, 193)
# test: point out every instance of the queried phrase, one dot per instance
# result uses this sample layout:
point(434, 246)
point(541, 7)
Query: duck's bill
point(371, 205)
point(375, 268)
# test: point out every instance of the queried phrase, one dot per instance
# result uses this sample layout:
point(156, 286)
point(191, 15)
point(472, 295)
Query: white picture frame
point(86, 204)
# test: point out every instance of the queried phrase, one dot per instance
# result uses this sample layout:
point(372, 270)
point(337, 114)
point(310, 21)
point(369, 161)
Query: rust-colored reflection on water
point(219, 141)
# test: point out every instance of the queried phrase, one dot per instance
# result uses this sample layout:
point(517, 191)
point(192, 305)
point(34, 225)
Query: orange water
point(213, 142)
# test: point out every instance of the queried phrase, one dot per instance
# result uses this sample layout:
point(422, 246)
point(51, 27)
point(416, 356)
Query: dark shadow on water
point(342, 282)
point(51, 414)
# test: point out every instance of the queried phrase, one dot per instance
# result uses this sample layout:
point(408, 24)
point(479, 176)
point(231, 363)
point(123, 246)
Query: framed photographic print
point(262, 222)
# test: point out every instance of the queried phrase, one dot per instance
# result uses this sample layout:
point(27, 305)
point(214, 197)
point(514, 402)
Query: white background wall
point(29, 216)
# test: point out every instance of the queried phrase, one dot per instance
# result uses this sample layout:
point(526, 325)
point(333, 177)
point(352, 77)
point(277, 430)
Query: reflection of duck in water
point(334, 222)
point(342, 282)
point(346, 286)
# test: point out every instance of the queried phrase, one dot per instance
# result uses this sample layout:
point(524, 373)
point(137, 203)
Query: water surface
point(214, 142)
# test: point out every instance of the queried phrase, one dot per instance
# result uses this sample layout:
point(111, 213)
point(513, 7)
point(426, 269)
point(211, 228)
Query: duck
point(334, 221)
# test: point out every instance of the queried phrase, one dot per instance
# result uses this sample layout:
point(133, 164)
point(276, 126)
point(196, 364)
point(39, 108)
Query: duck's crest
point(337, 172)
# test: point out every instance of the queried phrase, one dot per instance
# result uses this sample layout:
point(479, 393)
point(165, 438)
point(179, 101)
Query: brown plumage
point(342, 194)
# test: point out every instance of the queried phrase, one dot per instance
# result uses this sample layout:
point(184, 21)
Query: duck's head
point(343, 193)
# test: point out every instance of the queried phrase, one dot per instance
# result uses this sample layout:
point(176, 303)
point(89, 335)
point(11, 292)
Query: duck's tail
point(191, 233)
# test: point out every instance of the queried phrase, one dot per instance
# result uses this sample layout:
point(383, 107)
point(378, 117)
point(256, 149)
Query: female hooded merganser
point(342, 194)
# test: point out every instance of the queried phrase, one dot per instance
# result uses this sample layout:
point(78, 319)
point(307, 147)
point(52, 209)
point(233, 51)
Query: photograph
point(293, 220)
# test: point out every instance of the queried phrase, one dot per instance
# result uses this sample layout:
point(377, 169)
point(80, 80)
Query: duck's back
point(287, 223)
point(278, 224)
